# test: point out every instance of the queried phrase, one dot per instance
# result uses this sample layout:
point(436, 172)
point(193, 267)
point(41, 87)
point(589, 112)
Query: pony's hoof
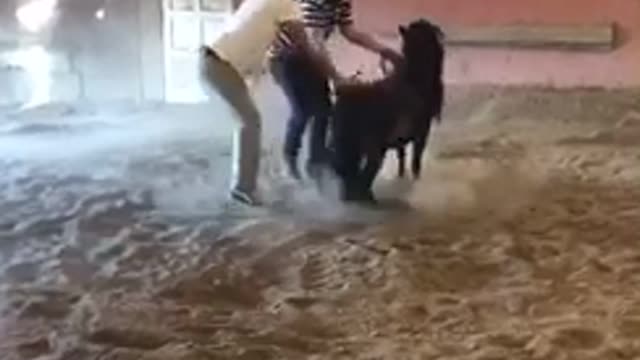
point(360, 197)
point(349, 196)
point(370, 201)
point(367, 197)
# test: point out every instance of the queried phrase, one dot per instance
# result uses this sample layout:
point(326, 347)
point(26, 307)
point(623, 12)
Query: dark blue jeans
point(308, 95)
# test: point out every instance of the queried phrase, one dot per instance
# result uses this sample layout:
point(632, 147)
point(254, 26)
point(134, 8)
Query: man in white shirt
point(238, 52)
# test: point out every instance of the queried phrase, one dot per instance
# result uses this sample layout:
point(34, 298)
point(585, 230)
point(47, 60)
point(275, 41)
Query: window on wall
point(188, 24)
point(204, 5)
point(193, 22)
point(181, 5)
point(215, 5)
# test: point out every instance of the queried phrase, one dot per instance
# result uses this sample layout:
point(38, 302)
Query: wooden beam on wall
point(585, 37)
point(595, 37)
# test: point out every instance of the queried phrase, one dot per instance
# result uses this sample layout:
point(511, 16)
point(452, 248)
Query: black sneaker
point(319, 174)
point(245, 198)
point(314, 170)
point(292, 167)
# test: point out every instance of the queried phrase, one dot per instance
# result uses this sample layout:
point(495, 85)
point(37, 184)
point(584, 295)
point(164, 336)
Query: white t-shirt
point(248, 34)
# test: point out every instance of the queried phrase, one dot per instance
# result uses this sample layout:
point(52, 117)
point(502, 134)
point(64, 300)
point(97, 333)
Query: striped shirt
point(322, 15)
point(326, 14)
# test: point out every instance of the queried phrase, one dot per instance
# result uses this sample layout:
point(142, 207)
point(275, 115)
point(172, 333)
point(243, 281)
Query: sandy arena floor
point(518, 243)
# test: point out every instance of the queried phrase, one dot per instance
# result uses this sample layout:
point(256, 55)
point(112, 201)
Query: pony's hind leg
point(419, 146)
point(402, 156)
point(369, 173)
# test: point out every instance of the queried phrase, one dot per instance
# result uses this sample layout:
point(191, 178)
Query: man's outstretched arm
point(356, 36)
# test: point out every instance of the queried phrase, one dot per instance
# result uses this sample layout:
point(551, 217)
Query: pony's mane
point(424, 62)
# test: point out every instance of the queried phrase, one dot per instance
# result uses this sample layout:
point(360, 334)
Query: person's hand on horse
point(341, 81)
point(391, 55)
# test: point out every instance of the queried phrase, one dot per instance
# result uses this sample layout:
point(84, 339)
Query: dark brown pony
point(370, 118)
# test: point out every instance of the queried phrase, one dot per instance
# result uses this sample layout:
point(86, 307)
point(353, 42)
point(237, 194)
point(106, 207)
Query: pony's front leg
point(368, 175)
point(347, 167)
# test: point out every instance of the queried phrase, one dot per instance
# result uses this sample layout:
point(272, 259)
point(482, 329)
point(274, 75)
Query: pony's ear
point(402, 30)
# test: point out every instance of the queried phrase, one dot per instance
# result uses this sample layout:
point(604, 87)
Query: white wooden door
point(187, 25)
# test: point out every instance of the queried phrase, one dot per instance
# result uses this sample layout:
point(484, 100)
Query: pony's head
point(421, 39)
point(423, 50)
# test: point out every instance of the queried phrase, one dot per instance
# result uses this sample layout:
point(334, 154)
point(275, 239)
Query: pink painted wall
point(617, 68)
